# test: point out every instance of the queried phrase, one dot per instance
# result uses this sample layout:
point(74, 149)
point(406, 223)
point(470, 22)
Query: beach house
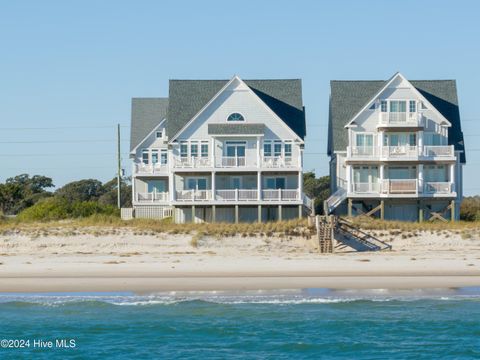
point(396, 149)
point(220, 150)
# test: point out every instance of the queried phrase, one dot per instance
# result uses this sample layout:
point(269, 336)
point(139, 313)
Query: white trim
point(148, 135)
point(389, 82)
point(275, 116)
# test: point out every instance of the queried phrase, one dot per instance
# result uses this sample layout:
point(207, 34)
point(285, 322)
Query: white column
point(420, 143)
point(420, 177)
point(171, 186)
point(212, 156)
point(300, 156)
point(452, 173)
point(259, 186)
point(380, 142)
point(258, 152)
point(349, 178)
point(213, 186)
point(300, 184)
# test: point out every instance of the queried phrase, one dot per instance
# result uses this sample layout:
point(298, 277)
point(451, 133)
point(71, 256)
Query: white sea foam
point(284, 297)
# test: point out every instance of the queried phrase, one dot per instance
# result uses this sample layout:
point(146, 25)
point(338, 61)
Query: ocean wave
point(19, 301)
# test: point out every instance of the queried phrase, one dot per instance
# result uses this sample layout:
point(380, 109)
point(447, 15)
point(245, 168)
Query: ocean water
point(308, 324)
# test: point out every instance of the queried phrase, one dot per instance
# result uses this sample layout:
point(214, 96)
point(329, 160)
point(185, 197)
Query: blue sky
point(69, 69)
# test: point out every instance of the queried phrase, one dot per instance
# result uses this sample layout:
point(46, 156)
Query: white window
point(277, 149)
point(383, 105)
point(275, 183)
point(183, 149)
point(364, 140)
point(204, 150)
point(158, 134)
point(194, 150)
point(267, 149)
point(288, 150)
point(145, 156)
point(235, 117)
point(236, 148)
point(196, 184)
point(412, 106)
point(163, 157)
point(154, 156)
point(398, 106)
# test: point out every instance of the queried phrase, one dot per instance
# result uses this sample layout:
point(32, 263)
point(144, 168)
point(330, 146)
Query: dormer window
point(235, 117)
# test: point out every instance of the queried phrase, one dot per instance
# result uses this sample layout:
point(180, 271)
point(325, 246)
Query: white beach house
point(220, 150)
point(396, 149)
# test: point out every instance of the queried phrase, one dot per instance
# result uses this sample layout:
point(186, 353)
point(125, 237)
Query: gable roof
point(147, 113)
point(188, 97)
point(349, 97)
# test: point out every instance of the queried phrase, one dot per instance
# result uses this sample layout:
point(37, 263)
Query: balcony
point(233, 161)
point(192, 162)
point(403, 152)
point(401, 119)
point(152, 197)
point(397, 186)
point(150, 169)
point(402, 187)
point(194, 195)
point(277, 162)
point(240, 195)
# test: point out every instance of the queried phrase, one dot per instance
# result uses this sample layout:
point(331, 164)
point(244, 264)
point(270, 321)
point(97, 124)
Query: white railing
point(233, 161)
point(334, 200)
point(152, 197)
point(367, 187)
point(281, 194)
point(277, 161)
point(237, 195)
point(192, 162)
point(400, 186)
point(362, 151)
point(399, 151)
point(401, 118)
point(438, 151)
point(194, 195)
point(150, 168)
point(438, 187)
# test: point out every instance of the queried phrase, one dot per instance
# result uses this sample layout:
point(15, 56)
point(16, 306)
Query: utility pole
point(119, 166)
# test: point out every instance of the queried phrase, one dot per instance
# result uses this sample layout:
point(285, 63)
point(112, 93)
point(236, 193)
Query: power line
point(64, 127)
point(58, 141)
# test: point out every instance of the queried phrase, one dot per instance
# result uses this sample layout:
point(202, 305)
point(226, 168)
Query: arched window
point(235, 117)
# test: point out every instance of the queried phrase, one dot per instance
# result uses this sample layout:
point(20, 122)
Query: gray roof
point(147, 113)
point(347, 98)
point(188, 97)
point(236, 129)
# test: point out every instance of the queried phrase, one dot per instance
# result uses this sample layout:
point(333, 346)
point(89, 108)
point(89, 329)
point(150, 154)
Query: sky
point(68, 69)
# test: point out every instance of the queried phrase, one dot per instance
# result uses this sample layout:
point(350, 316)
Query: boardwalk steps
point(341, 232)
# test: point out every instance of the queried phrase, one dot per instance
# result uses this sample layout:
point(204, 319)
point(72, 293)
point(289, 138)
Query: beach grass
point(434, 226)
point(101, 224)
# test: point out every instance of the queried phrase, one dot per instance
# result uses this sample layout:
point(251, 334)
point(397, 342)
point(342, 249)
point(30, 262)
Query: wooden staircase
point(332, 229)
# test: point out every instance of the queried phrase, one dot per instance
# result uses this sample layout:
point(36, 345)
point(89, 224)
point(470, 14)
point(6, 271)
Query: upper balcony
point(235, 162)
point(400, 120)
point(400, 153)
point(150, 169)
point(402, 188)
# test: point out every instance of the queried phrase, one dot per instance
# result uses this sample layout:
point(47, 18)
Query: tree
point(317, 189)
point(82, 190)
point(23, 191)
point(110, 193)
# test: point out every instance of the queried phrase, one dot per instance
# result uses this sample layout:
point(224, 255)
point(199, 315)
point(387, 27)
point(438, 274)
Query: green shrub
point(470, 209)
point(57, 208)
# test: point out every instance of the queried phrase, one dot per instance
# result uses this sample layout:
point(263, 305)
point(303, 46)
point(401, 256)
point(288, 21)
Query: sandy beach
point(142, 262)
